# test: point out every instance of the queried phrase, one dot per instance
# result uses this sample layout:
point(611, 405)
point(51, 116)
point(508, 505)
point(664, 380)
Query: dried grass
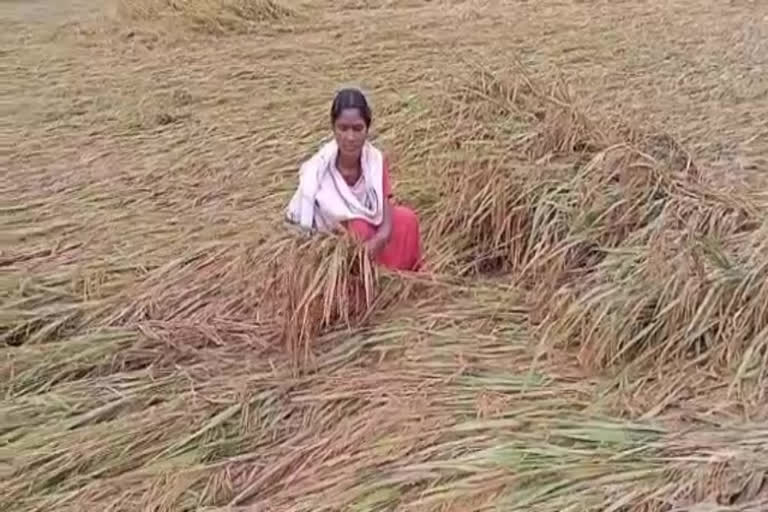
point(619, 238)
point(590, 336)
point(678, 295)
point(213, 16)
point(555, 191)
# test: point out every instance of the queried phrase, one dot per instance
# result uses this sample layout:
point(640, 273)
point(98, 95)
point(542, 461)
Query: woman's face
point(350, 132)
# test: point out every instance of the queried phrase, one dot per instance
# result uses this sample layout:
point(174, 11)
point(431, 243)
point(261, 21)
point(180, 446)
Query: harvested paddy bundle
point(316, 284)
point(327, 283)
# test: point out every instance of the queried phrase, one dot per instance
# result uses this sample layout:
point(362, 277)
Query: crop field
point(591, 334)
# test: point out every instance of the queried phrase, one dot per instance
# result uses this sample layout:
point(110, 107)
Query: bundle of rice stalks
point(672, 295)
point(324, 283)
point(215, 16)
point(551, 192)
point(316, 284)
point(284, 291)
point(482, 223)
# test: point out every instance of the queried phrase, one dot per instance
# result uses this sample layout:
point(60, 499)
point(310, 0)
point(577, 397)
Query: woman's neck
point(349, 167)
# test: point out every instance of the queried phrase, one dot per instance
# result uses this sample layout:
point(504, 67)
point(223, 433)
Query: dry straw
point(213, 16)
point(593, 224)
point(162, 375)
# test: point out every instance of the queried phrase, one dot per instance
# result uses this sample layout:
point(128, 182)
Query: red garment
point(403, 251)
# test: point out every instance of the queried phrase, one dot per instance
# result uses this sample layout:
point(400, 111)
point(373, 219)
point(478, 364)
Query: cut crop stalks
point(589, 333)
point(212, 16)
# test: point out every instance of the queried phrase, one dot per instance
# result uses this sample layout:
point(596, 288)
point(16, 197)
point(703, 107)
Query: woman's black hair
point(351, 98)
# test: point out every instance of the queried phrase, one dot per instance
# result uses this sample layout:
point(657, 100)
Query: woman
point(346, 185)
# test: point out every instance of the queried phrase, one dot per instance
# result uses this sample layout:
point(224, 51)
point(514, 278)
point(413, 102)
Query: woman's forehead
point(350, 115)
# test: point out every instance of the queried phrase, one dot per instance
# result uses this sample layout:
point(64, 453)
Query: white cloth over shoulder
point(323, 198)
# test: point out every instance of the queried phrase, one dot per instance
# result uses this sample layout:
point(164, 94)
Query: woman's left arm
point(385, 229)
point(381, 238)
point(378, 241)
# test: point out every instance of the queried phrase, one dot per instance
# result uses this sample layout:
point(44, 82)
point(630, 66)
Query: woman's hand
point(375, 244)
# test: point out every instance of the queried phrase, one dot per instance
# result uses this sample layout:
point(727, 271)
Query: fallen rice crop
point(590, 334)
point(213, 16)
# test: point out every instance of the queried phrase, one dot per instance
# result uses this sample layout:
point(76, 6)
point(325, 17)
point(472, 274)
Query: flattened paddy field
point(591, 334)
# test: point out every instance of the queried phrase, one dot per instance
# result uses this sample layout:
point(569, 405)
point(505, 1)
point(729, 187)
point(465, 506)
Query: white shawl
point(323, 199)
